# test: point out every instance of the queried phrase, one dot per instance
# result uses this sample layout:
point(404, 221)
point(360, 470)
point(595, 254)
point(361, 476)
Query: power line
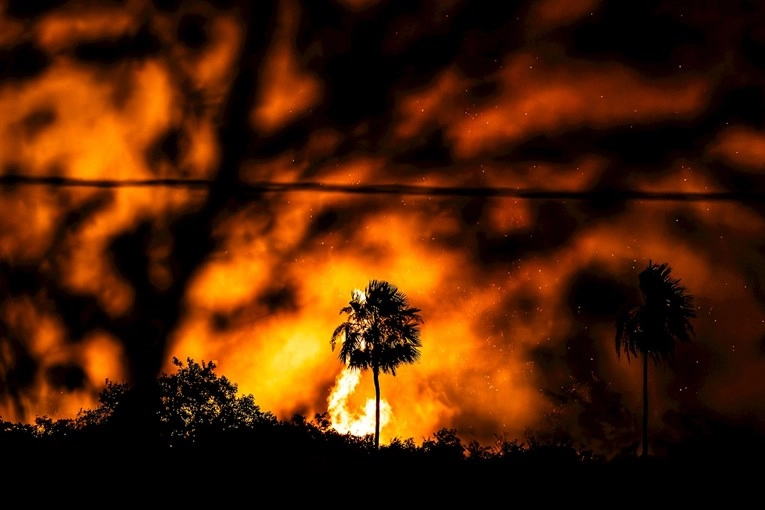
point(393, 189)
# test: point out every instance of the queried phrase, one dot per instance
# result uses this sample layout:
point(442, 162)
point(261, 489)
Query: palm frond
point(382, 329)
point(653, 328)
point(339, 331)
point(629, 332)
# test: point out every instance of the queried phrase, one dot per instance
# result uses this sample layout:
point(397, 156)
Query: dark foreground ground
point(244, 477)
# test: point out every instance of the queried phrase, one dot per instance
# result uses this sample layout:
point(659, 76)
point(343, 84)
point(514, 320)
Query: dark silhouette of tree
point(382, 332)
point(196, 405)
point(197, 401)
point(444, 446)
point(653, 328)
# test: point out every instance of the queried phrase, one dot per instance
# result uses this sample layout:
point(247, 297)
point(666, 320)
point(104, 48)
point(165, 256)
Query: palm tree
point(653, 328)
point(382, 332)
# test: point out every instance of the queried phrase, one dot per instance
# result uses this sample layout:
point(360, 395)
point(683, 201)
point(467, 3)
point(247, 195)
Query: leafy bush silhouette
point(212, 435)
point(444, 446)
point(197, 406)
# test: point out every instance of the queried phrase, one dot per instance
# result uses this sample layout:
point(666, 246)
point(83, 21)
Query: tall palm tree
point(381, 332)
point(653, 328)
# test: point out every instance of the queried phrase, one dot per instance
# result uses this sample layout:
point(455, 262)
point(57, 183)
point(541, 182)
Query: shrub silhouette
point(196, 404)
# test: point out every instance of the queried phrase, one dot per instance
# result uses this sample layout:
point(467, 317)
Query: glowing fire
point(502, 335)
point(346, 421)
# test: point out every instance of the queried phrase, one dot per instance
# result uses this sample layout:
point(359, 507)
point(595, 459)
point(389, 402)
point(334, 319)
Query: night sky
point(213, 179)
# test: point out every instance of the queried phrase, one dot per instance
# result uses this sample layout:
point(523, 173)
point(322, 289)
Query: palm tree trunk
point(376, 373)
point(645, 405)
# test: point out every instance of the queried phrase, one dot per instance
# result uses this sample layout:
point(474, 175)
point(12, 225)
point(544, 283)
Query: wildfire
point(518, 294)
point(346, 421)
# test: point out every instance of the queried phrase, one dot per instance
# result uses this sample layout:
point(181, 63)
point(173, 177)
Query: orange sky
point(518, 296)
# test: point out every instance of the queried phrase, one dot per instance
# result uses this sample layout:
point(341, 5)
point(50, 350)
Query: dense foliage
point(211, 437)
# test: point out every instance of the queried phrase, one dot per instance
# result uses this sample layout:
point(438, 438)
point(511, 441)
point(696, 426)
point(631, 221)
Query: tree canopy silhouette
point(382, 332)
point(195, 403)
point(653, 328)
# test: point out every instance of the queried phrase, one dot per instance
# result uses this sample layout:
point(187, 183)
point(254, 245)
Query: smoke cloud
point(518, 296)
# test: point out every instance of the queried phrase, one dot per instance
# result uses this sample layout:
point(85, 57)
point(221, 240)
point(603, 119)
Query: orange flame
point(347, 421)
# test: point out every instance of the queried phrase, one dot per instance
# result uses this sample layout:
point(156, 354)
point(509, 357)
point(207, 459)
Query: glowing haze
point(518, 296)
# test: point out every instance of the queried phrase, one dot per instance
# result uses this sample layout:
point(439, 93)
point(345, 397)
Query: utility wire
point(393, 189)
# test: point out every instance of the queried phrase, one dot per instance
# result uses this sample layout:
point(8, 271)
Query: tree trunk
point(376, 373)
point(645, 405)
